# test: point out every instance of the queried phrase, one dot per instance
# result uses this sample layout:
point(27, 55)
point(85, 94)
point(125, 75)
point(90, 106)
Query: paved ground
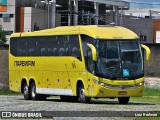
point(17, 103)
point(54, 104)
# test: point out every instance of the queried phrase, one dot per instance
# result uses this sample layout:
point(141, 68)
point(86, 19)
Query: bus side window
point(31, 51)
point(43, 51)
point(13, 46)
point(61, 52)
point(21, 52)
point(55, 51)
point(67, 51)
point(52, 45)
point(90, 63)
point(41, 46)
point(74, 46)
point(31, 46)
point(49, 51)
point(22, 47)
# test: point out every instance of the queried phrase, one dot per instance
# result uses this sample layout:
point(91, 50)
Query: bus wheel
point(123, 100)
point(26, 92)
point(81, 94)
point(34, 95)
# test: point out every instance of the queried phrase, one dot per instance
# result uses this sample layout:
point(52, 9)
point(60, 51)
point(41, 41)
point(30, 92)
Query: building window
point(6, 19)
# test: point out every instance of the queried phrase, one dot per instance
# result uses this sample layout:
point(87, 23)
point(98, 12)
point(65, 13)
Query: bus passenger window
point(21, 52)
point(61, 52)
point(31, 51)
point(43, 51)
point(75, 52)
point(13, 46)
point(55, 51)
point(67, 51)
point(49, 51)
point(74, 46)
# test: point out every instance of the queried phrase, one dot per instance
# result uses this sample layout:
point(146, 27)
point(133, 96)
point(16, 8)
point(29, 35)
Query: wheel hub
point(33, 92)
point(25, 90)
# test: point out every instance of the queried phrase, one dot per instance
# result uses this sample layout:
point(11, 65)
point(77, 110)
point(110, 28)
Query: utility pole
point(48, 2)
point(69, 12)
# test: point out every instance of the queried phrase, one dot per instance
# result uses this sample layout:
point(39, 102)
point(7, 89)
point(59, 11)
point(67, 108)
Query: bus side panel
point(37, 77)
point(91, 84)
point(58, 82)
point(66, 80)
point(47, 81)
point(75, 69)
point(14, 81)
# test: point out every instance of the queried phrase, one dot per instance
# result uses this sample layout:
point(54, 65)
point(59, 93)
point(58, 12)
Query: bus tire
point(26, 92)
point(123, 100)
point(34, 95)
point(81, 95)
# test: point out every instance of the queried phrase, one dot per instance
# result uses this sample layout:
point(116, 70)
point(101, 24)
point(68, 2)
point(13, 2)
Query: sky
point(144, 3)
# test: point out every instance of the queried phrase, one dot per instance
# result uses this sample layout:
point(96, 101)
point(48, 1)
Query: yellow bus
point(77, 63)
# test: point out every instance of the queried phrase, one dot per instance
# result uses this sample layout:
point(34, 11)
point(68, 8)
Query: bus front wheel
point(81, 94)
point(123, 100)
point(26, 92)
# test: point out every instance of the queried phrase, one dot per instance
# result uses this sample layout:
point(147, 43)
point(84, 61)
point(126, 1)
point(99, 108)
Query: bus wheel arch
point(81, 93)
point(25, 89)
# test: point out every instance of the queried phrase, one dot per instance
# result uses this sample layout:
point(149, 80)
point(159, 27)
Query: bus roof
point(102, 32)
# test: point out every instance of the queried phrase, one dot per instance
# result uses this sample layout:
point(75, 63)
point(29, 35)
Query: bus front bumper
point(101, 91)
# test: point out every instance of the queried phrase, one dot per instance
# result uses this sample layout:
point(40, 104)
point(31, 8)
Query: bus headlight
point(118, 86)
point(139, 84)
point(98, 82)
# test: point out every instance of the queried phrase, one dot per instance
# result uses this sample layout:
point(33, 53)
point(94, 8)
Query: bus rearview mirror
point(94, 52)
point(148, 51)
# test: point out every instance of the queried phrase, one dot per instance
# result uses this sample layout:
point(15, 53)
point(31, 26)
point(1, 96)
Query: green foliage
point(6, 91)
point(151, 92)
point(2, 37)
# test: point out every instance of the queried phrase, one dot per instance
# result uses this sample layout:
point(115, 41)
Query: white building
point(8, 16)
point(21, 15)
point(153, 13)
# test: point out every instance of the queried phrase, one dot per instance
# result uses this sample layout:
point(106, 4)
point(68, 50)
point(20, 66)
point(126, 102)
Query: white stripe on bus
point(54, 91)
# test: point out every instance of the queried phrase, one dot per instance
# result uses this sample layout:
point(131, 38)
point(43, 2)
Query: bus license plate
point(122, 93)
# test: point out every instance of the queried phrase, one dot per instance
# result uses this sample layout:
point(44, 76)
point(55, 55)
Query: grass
point(151, 92)
point(6, 91)
point(147, 91)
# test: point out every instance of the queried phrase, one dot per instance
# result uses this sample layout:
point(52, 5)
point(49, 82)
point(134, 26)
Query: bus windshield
point(119, 59)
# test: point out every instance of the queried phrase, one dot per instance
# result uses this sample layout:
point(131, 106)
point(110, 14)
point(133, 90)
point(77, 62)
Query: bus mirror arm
point(148, 51)
point(94, 52)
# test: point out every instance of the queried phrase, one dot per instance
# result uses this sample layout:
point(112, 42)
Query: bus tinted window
point(31, 47)
point(74, 46)
point(13, 46)
point(46, 46)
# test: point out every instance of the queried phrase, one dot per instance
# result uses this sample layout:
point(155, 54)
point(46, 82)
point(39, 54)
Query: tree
point(2, 36)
